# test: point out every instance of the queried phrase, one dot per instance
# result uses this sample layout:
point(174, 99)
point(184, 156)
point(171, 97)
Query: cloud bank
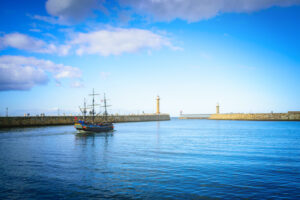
point(196, 10)
point(161, 10)
point(23, 73)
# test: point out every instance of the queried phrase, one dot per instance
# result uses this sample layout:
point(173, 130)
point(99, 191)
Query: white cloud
point(25, 42)
point(23, 73)
point(195, 10)
point(69, 11)
point(63, 50)
point(103, 42)
point(118, 41)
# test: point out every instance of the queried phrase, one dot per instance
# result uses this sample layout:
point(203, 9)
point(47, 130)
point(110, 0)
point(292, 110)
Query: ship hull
point(93, 128)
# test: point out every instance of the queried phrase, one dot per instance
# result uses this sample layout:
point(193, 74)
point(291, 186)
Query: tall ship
point(85, 125)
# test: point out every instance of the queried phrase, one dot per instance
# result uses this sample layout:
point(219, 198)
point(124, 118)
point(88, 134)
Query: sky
point(244, 55)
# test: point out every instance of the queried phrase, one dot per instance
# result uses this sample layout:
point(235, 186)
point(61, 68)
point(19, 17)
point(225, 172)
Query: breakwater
point(9, 122)
point(194, 116)
point(290, 116)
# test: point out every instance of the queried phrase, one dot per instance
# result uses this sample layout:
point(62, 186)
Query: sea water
point(177, 159)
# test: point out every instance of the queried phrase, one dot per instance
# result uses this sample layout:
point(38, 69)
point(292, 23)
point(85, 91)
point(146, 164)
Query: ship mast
point(105, 107)
point(93, 105)
point(84, 109)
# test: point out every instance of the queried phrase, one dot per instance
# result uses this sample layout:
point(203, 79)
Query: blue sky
point(243, 54)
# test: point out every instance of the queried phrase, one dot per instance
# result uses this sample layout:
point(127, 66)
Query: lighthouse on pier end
point(157, 105)
point(218, 109)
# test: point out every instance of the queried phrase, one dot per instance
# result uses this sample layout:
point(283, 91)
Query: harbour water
point(177, 159)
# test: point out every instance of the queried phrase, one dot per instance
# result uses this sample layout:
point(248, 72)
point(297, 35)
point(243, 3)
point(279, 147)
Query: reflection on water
point(89, 137)
point(80, 135)
point(178, 159)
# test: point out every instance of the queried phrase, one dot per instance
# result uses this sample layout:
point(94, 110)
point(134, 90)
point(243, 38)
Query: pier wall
point(291, 116)
point(7, 122)
point(194, 116)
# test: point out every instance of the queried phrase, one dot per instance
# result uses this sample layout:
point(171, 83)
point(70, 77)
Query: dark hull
point(94, 128)
point(97, 129)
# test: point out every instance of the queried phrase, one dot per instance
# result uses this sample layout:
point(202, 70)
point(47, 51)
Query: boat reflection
point(89, 138)
point(80, 135)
